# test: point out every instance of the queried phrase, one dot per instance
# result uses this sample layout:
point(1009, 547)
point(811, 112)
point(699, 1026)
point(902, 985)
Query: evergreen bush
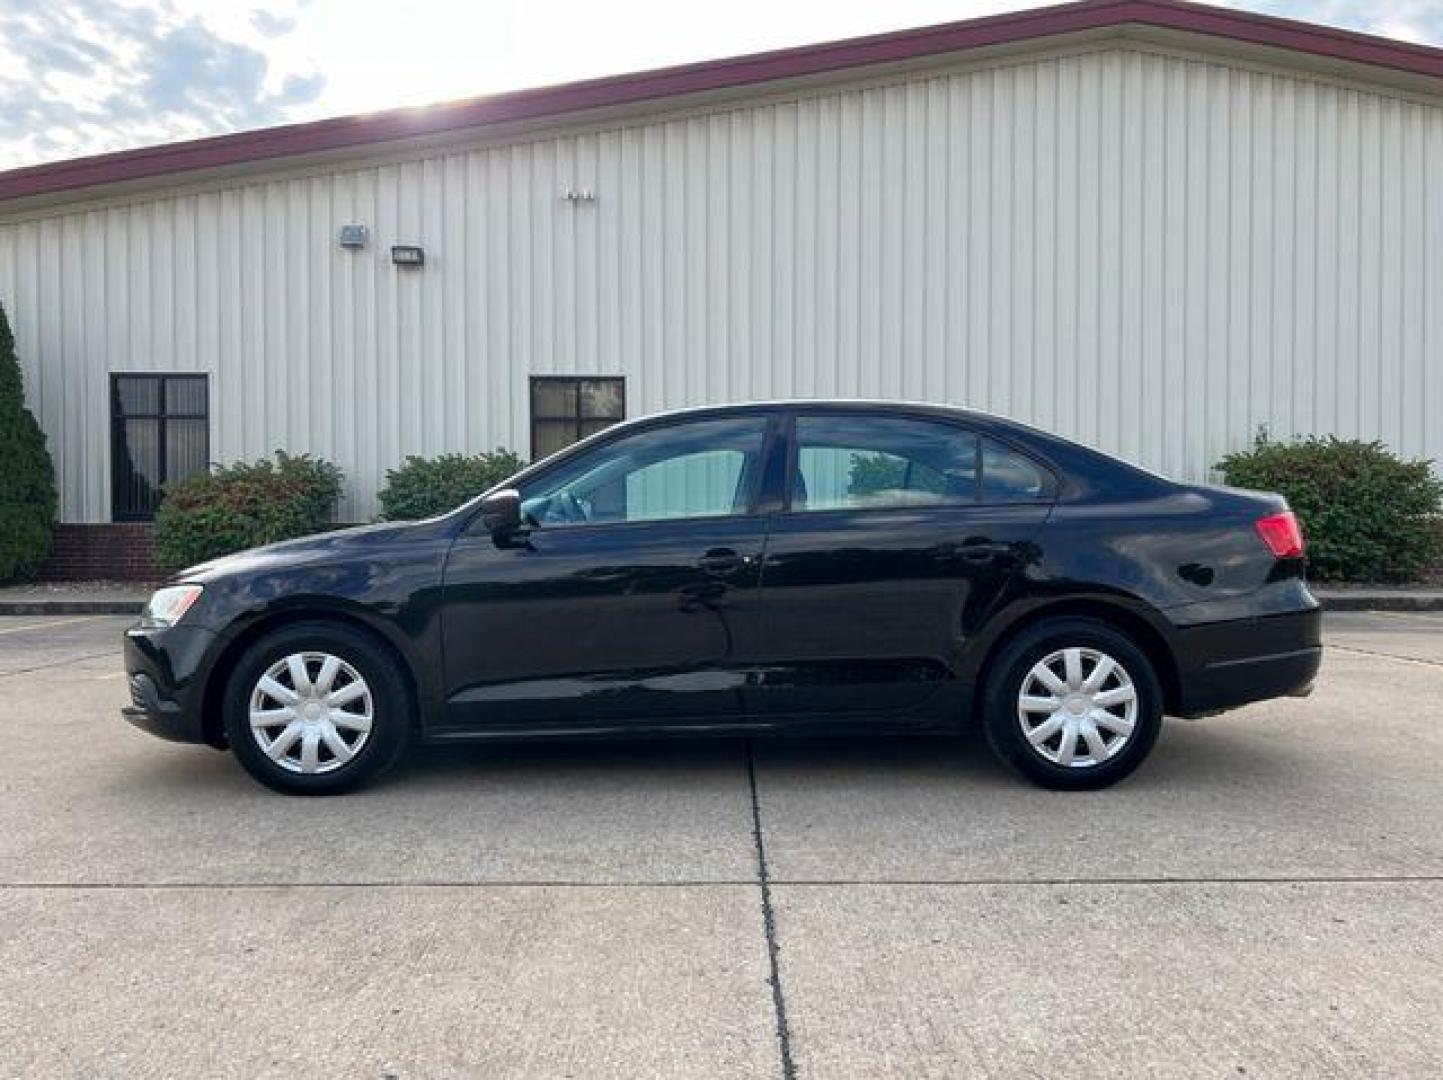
point(27, 476)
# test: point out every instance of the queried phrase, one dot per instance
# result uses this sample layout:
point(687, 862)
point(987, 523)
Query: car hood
point(337, 544)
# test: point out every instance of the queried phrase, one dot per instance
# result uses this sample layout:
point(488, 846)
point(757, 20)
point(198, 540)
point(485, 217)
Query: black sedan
point(812, 566)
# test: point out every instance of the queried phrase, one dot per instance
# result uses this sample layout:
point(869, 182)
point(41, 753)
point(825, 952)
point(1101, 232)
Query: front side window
point(159, 434)
point(565, 410)
point(866, 462)
point(705, 468)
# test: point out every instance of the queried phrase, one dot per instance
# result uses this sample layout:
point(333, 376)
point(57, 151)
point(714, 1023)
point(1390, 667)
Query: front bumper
point(1232, 663)
point(165, 669)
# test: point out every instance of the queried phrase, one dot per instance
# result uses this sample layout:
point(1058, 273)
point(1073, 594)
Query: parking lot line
point(49, 624)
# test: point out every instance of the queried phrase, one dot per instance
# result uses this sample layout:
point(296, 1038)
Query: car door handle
point(722, 561)
point(981, 551)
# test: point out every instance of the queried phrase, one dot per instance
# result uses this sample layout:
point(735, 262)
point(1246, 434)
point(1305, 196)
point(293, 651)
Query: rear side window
point(866, 462)
point(1009, 477)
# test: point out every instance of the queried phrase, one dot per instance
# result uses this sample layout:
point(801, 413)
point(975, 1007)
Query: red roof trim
point(350, 131)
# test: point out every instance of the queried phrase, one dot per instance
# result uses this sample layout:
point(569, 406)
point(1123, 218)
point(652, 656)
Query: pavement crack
point(769, 927)
point(1387, 655)
point(58, 663)
point(726, 883)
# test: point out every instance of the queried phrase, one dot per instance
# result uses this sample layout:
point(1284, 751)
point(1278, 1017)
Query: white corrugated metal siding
point(1153, 253)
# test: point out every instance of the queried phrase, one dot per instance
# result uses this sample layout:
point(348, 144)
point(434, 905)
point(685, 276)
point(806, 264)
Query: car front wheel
point(1073, 704)
point(317, 708)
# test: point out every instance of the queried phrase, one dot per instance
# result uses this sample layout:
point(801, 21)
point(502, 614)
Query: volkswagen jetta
point(783, 567)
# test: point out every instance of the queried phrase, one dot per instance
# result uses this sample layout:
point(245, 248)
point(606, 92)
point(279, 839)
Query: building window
point(565, 410)
point(159, 434)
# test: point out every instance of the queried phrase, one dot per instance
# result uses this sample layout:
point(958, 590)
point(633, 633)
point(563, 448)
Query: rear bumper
point(1233, 663)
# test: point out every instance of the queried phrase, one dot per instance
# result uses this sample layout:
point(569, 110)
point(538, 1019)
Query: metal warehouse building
point(1148, 225)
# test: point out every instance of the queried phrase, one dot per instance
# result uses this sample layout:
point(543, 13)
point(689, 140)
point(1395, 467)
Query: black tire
point(392, 717)
point(1004, 683)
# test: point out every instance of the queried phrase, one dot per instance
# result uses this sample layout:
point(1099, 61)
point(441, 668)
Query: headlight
point(167, 605)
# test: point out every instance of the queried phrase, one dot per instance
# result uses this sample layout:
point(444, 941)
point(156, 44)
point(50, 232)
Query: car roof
point(890, 405)
point(978, 418)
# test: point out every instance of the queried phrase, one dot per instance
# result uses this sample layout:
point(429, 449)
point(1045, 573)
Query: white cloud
point(83, 76)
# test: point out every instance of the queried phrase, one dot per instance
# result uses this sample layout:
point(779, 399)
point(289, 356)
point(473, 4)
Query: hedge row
point(234, 507)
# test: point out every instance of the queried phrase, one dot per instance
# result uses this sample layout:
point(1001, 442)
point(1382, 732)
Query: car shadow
point(942, 753)
point(1188, 756)
point(1216, 751)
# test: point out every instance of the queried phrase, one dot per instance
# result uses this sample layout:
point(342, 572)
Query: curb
point(71, 607)
point(1372, 601)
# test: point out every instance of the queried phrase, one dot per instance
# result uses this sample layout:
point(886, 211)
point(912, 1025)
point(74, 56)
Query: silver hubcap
point(311, 712)
point(1077, 707)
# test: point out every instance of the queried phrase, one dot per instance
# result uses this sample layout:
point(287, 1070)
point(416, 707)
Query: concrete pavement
point(373, 982)
point(1260, 899)
point(1205, 979)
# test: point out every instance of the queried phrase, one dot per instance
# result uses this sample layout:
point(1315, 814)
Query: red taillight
point(1282, 534)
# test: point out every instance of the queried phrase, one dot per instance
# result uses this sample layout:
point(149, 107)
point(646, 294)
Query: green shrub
point(27, 477)
point(1368, 515)
point(244, 505)
point(425, 487)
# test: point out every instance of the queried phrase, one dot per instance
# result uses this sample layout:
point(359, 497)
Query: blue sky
point(85, 76)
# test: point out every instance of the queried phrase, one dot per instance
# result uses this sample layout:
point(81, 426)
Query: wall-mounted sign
point(354, 236)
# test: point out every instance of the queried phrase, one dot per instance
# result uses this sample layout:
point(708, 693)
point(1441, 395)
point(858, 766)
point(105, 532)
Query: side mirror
point(501, 511)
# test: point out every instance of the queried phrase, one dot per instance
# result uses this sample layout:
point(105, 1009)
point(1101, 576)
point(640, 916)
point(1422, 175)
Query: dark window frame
point(162, 416)
point(575, 416)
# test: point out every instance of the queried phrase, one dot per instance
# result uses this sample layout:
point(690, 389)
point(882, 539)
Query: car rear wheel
point(1073, 704)
point(317, 708)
